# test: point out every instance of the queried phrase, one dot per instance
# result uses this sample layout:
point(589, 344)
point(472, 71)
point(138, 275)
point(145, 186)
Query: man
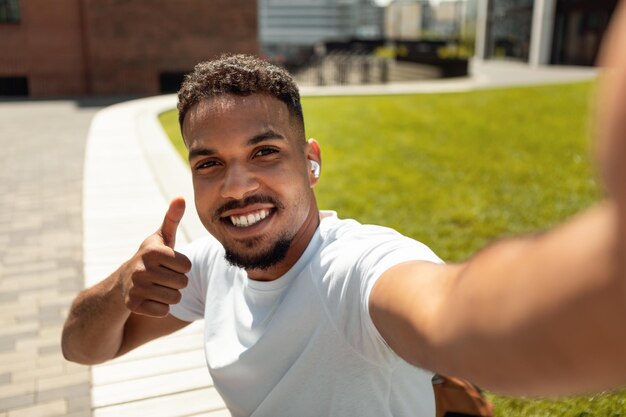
point(283, 288)
point(307, 314)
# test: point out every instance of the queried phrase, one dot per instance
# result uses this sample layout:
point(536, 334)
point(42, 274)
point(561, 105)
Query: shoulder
point(351, 241)
point(353, 256)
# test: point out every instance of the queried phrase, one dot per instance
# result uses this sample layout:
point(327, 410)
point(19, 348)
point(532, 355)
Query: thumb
point(171, 221)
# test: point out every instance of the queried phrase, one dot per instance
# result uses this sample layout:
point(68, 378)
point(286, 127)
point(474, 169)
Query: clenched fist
point(153, 277)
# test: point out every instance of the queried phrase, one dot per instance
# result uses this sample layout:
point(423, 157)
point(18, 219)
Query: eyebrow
point(254, 140)
point(195, 152)
point(267, 135)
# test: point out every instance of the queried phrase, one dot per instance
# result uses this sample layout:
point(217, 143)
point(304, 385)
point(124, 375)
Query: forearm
point(94, 329)
point(548, 309)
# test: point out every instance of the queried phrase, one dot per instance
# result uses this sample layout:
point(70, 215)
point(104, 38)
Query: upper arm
point(139, 330)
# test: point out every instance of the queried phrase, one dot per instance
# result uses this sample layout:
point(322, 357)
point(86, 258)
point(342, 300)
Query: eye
point(203, 165)
point(266, 150)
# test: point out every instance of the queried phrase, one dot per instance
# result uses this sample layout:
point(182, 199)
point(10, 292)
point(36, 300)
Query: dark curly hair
point(241, 75)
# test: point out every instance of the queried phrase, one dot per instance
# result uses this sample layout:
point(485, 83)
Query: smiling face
point(252, 180)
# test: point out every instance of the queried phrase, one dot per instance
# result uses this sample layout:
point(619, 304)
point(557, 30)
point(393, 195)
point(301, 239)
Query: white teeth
point(250, 219)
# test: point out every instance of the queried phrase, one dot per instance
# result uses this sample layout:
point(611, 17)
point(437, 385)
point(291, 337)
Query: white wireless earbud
point(315, 167)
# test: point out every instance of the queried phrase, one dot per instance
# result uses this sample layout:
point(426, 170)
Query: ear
point(313, 154)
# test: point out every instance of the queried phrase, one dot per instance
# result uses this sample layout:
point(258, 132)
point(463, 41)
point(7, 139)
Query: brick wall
point(44, 46)
point(74, 47)
point(131, 42)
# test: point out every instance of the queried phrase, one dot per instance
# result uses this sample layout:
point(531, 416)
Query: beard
point(248, 258)
point(262, 260)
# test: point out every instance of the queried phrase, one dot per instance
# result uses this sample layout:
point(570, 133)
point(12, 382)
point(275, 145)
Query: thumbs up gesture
point(153, 277)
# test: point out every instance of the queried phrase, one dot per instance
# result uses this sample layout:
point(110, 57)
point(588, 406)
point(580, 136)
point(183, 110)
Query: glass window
point(578, 30)
point(510, 24)
point(9, 11)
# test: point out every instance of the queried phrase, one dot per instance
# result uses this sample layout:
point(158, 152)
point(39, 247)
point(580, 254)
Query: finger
point(177, 263)
point(154, 271)
point(152, 309)
point(158, 293)
point(171, 221)
point(155, 254)
point(169, 278)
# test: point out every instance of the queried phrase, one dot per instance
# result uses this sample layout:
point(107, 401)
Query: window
point(14, 86)
point(9, 11)
point(510, 27)
point(170, 82)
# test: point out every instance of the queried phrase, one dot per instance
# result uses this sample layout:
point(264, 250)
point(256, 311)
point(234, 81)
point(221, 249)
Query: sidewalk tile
point(38, 372)
point(79, 403)
point(17, 389)
point(63, 380)
point(51, 409)
point(150, 387)
point(19, 401)
point(19, 329)
point(183, 404)
point(80, 390)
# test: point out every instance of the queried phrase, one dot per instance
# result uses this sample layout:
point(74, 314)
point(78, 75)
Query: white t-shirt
point(304, 344)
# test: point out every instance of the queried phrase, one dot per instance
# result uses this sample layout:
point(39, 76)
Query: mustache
point(253, 199)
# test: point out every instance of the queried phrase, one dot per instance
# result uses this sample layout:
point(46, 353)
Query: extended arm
point(538, 315)
point(535, 315)
point(131, 306)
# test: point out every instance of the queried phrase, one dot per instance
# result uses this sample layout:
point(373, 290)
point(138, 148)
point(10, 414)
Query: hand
point(151, 281)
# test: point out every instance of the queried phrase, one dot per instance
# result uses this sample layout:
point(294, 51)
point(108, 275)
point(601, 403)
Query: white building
point(405, 19)
point(286, 26)
point(425, 19)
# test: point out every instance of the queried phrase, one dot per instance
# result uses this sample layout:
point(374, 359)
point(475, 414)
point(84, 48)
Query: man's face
point(252, 178)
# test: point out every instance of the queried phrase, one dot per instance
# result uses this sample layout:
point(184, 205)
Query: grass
point(456, 171)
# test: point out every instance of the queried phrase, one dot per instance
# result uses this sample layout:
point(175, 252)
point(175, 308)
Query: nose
point(238, 182)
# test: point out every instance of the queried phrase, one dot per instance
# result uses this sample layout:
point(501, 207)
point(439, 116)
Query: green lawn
point(456, 171)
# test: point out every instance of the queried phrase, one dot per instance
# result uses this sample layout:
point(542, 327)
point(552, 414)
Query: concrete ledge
point(131, 173)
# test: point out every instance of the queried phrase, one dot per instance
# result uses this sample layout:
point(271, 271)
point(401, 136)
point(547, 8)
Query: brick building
point(102, 47)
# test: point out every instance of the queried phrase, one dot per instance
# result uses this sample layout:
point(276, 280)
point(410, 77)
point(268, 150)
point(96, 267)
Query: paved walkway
point(41, 171)
point(49, 227)
point(132, 171)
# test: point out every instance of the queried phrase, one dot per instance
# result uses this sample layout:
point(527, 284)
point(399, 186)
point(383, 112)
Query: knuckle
point(179, 282)
point(139, 269)
point(184, 281)
point(176, 297)
point(169, 296)
point(148, 256)
point(134, 297)
point(185, 263)
point(132, 303)
point(138, 277)
point(156, 253)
